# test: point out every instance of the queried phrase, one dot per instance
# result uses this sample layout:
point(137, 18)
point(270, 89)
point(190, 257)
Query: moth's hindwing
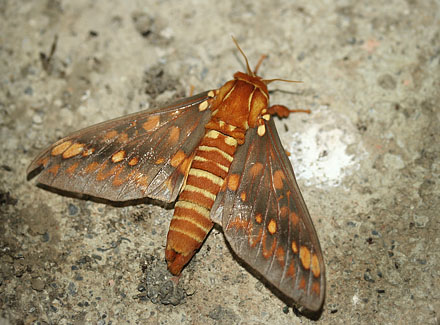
point(145, 154)
point(266, 221)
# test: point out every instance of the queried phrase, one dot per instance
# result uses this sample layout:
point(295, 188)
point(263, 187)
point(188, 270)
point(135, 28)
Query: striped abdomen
point(191, 222)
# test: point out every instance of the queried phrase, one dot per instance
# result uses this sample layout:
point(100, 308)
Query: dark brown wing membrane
point(266, 221)
point(144, 154)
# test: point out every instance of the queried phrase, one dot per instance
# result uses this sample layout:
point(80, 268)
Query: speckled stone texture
point(366, 159)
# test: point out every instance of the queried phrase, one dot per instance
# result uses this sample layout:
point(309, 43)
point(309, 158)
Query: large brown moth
point(219, 155)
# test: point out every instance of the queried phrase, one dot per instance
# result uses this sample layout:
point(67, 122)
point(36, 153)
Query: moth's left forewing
point(266, 221)
point(145, 154)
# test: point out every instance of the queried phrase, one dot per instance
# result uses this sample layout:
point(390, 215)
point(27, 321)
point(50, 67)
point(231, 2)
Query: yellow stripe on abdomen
point(191, 221)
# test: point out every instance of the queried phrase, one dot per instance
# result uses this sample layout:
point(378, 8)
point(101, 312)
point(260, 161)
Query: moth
point(218, 154)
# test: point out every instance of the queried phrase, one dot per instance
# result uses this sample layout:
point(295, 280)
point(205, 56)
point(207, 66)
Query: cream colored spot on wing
point(261, 130)
point(59, 149)
point(74, 149)
point(118, 156)
point(203, 106)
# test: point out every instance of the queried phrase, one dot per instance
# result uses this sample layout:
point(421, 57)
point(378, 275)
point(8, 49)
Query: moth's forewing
point(145, 154)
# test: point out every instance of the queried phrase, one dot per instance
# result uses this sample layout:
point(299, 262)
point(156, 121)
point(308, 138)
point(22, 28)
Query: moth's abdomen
point(191, 222)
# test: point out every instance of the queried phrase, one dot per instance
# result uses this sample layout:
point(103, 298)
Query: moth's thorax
point(240, 102)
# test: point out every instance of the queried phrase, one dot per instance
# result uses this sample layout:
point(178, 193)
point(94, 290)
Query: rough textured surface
point(367, 159)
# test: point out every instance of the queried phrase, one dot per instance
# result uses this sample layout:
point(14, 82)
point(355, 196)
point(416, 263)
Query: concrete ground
point(366, 159)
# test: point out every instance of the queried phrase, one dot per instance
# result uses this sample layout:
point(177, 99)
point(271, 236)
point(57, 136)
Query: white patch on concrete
point(319, 153)
point(355, 299)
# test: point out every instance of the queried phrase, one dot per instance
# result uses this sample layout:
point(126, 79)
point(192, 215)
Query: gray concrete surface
point(367, 158)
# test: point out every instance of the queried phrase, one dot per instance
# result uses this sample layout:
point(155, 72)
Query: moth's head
point(259, 99)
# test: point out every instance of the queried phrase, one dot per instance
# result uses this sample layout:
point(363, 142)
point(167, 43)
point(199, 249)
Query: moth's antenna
point(259, 63)
point(268, 81)
point(249, 71)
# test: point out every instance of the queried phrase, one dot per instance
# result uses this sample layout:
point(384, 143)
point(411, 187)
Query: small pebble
point(37, 284)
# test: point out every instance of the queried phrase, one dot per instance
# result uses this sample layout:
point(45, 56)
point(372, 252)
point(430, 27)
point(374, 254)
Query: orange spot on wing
point(71, 169)
point(233, 181)
point(174, 135)
point(88, 152)
point(242, 224)
point(256, 169)
point(118, 181)
point(59, 149)
point(114, 171)
point(291, 270)
point(316, 288)
point(91, 167)
point(177, 158)
point(238, 223)
point(278, 178)
point(110, 135)
point(54, 169)
point(151, 123)
point(280, 254)
point(284, 211)
point(101, 174)
point(315, 266)
point(254, 240)
point(123, 138)
point(141, 179)
point(43, 161)
point(259, 218)
point(294, 247)
point(268, 252)
point(304, 255)
point(302, 283)
point(159, 161)
point(272, 226)
point(186, 164)
point(133, 161)
point(294, 218)
point(243, 196)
